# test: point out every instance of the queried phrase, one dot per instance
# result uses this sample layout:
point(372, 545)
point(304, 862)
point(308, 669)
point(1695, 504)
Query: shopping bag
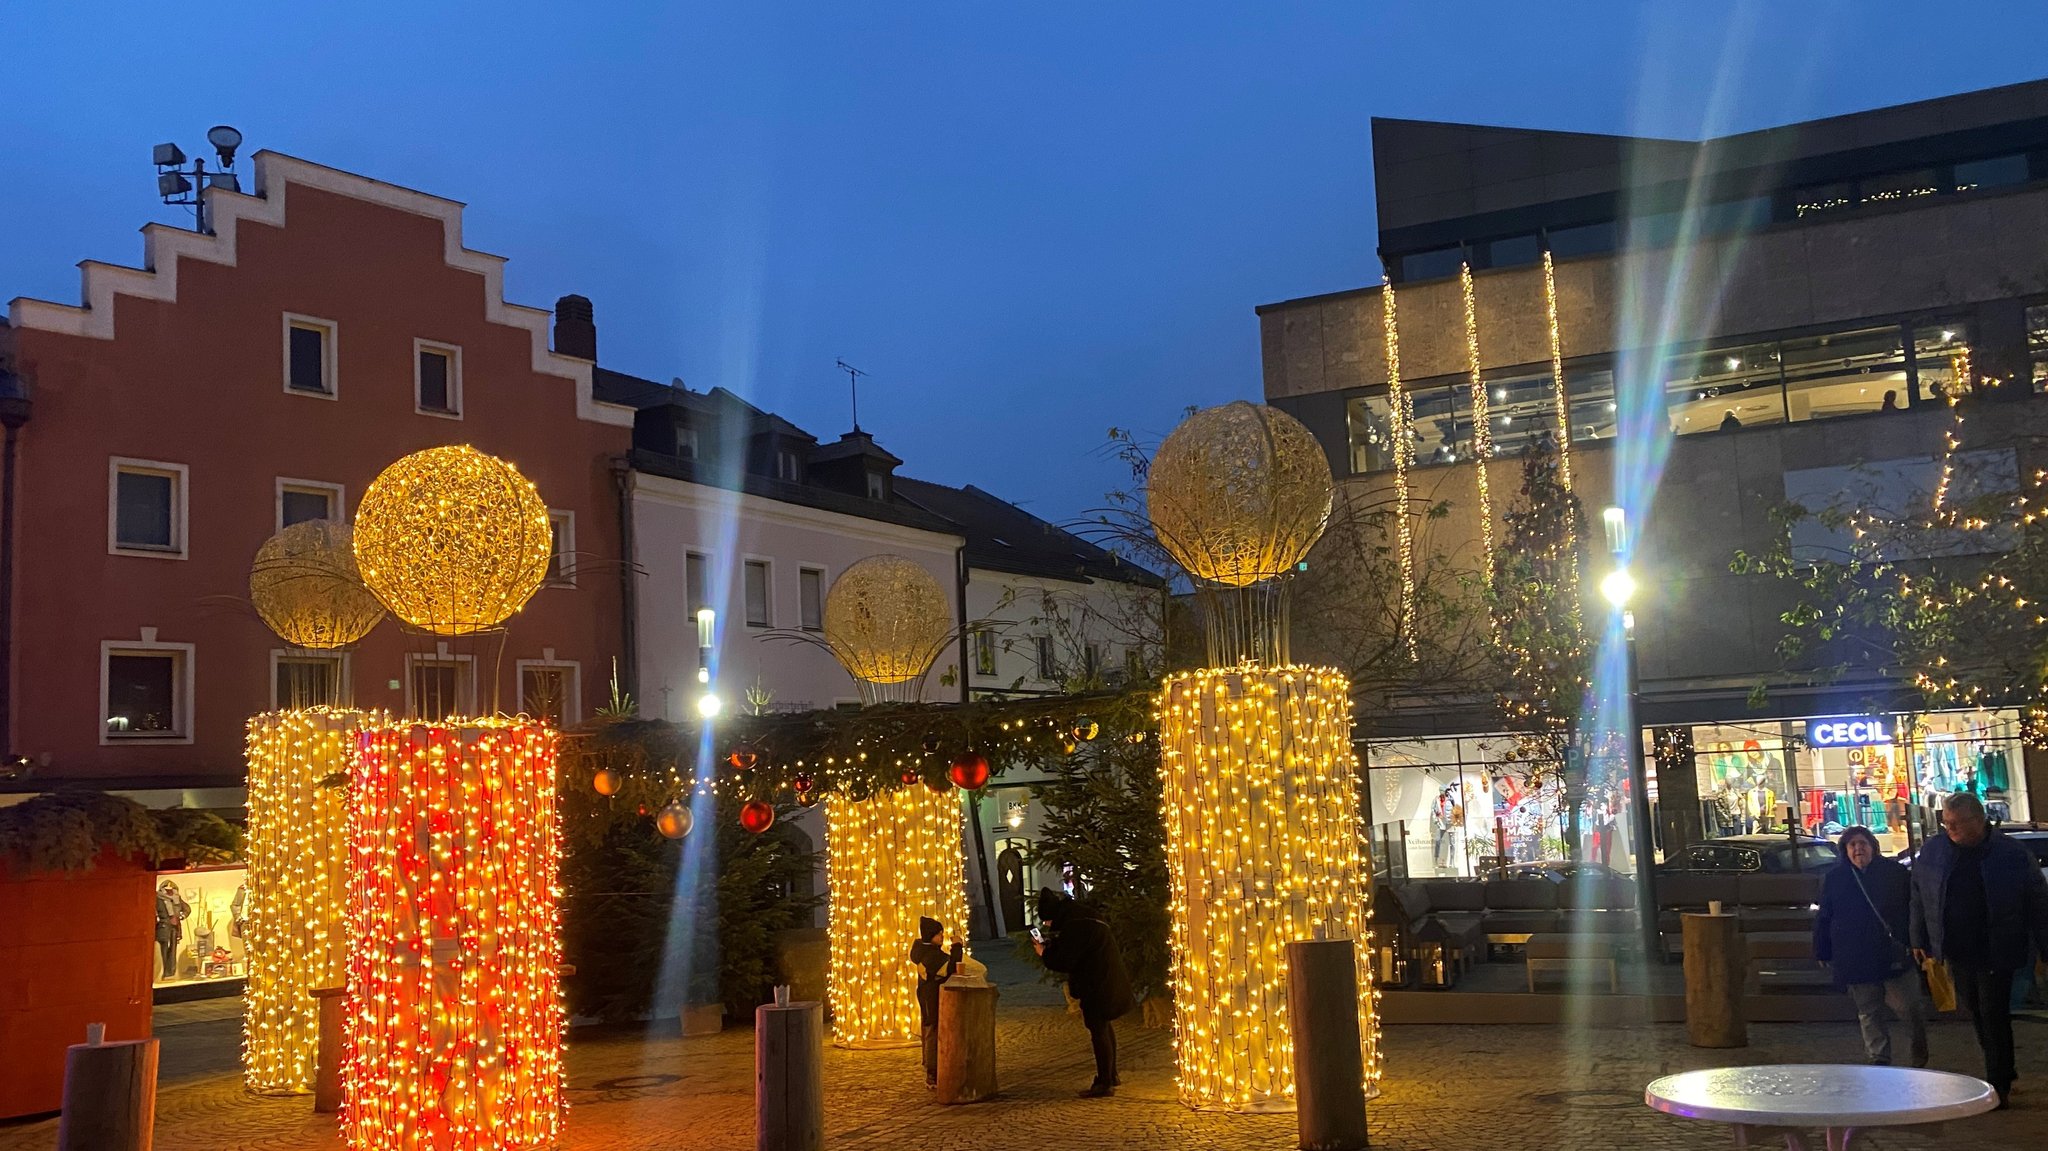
point(1940, 986)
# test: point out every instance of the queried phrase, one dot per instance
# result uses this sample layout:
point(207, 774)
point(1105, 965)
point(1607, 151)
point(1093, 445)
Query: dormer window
point(686, 442)
point(877, 486)
point(786, 466)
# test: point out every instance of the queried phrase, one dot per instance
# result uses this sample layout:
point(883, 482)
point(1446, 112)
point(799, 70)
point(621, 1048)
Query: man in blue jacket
point(1860, 932)
point(1979, 904)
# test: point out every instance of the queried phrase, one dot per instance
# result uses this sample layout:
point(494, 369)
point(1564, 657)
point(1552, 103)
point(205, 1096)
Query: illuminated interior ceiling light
point(452, 540)
point(453, 1019)
point(1482, 430)
point(886, 619)
point(1239, 493)
point(1401, 406)
point(1261, 805)
point(304, 584)
point(297, 851)
point(890, 859)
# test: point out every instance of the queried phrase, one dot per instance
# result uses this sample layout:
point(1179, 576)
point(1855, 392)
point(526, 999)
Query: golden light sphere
point(1239, 493)
point(454, 541)
point(886, 619)
point(303, 583)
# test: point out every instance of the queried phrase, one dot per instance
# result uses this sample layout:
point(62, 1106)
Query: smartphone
point(1035, 936)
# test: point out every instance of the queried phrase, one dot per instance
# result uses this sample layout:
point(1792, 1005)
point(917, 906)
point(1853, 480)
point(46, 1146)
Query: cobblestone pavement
point(1447, 1088)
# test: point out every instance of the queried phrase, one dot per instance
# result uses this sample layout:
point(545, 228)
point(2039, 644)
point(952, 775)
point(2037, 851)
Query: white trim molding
point(183, 680)
point(181, 502)
point(164, 246)
point(562, 521)
point(337, 497)
point(465, 680)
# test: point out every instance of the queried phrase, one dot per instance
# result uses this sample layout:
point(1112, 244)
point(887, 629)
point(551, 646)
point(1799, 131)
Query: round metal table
point(1788, 1100)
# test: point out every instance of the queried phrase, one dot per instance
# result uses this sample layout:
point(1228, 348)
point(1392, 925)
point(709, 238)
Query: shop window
point(1369, 428)
point(757, 587)
point(1819, 198)
point(147, 512)
point(309, 356)
point(1938, 353)
point(308, 681)
point(1522, 409)
point(1432, 265)
point(201, 919)
point(561, 548)
point(1724, 389)
point(1845, 373)
point(1583, 240)
point(302, 500)
point(810, 588)
point(1594, 414)
point(1996, 172)
point(1442, 427)
point(548, 691)
point(147, 692)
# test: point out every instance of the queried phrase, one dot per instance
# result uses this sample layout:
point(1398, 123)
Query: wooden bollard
point(327, 1054)
point(1713, 981)
point(109, 1095)
point(1329, 1056)
point(967, 1042)
point(789, 1077)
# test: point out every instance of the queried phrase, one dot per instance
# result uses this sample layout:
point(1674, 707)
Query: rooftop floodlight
point(167, 155)
point(226, 180)
point(172, 184)
point(224, 140)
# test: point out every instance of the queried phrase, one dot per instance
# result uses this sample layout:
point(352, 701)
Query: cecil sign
point(1848, 733)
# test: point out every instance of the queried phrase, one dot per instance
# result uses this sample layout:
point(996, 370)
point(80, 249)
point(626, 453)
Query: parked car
point(1768, 853)
point(1555, 870)
point(2032, 836)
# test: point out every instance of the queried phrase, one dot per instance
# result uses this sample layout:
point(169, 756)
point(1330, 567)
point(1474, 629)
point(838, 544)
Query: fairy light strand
point(1260, 799)
point(1482, 427)
point(1402, 408)
point(1559, 396)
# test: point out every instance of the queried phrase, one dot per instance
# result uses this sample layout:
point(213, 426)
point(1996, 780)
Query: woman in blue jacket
point(1862, 932)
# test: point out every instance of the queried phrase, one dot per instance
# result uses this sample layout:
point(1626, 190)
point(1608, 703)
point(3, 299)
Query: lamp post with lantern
point(1617, 587)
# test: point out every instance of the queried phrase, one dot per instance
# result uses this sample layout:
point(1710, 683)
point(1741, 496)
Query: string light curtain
point(453, 1018)
point(1401, 406)
point(1263, 847)
point(891, 859)
point(297, 852)
point(1482, 427)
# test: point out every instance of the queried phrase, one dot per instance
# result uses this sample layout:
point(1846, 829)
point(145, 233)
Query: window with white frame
point(439, 687)
point(696, 582)
point(788, 466)
point(437, 378)
point(550, 690)
point(146, 507)
point(757, 589)
point(302, 500)
point(302, 679)
point(1048, 668)
point(562, 549)
point(309, 356)
point(810, 589)
point(146, 692)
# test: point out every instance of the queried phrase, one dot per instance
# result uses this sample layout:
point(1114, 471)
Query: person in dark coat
point(1979, 904)
point(935, 965)
point(1080, 947)
point(1865, 919)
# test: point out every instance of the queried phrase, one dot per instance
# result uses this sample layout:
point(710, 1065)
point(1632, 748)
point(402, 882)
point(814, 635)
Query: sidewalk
point(1448, 1088)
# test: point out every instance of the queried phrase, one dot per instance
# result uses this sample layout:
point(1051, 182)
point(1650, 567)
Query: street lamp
point(708, 704)
point(1617, 587)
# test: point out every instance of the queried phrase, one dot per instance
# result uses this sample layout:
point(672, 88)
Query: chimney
point(575, 328)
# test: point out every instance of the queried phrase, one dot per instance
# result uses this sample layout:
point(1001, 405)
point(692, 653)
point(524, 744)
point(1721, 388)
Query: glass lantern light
point(1389, 941)
point(1434, 953)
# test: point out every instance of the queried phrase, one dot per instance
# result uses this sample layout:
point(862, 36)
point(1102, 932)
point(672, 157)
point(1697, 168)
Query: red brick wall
point(199, 381)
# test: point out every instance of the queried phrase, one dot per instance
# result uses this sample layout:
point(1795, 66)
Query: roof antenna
point(853, 376)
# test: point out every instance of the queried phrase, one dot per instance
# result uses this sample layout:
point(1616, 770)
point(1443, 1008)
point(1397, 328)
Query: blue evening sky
point(1028, 222)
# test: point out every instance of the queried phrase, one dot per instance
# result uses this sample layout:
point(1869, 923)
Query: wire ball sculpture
point(452, 540)
point(304, 584)
point(886, 619)
point(1239, 493)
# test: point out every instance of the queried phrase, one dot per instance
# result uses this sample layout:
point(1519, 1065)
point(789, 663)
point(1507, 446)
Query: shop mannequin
point(171, 913)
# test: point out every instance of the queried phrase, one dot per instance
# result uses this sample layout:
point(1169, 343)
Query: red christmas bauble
point(757, 815)
point(909, 775)
point(969, 771)
point(743, 758)
point(806, 798)
point(802, 782)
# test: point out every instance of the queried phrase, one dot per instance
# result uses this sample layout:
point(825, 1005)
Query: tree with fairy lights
point(1935, 589)
point(1541, 651)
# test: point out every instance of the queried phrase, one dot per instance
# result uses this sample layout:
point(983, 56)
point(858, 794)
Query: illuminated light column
point(297, 850)
point(1260, 798)
point(454, 1018)
point(890, 859)
point(1262, 846)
